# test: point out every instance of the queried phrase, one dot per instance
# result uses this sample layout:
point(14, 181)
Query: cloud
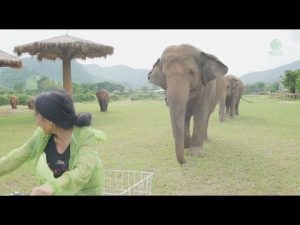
point(295, 36)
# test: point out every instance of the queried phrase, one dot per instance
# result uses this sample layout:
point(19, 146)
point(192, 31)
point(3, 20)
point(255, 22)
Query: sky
point(243, 51)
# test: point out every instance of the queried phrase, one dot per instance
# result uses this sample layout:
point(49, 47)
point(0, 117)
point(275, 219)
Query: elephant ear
point(155, 76)
point(211, 67)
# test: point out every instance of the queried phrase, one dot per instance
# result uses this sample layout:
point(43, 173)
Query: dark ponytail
point(83, 119)
point(58, 107)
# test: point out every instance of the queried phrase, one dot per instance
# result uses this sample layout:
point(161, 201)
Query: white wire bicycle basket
point(127, 182)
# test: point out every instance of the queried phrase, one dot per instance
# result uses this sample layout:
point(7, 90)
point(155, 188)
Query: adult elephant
point(103, 99)
point(234, 88)
point(13, 101)
point(194, 82)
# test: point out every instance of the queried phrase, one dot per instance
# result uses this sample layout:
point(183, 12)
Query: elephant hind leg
point(237, 110)
point(227, 112)
point(187, 142)
point(196, 151)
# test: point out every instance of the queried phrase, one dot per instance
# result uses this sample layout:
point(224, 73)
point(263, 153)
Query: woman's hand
point(42, 190)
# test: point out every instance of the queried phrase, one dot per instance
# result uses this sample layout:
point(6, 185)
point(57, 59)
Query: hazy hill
point(52, 69)
point(3, 88)
point(121, 74)
point(88, 73)
point(269, 76)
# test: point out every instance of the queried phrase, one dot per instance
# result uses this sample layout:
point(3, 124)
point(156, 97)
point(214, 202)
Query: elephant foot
point(196, 151)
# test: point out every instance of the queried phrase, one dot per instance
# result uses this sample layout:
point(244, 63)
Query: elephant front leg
point(232, 108)
point(222, 109)
point(199, 134)
point(187, 136)
point(103, 106)
point(227, 106)
point(205, 136)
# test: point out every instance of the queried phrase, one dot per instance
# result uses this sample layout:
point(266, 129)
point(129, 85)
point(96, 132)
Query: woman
point(62, 149)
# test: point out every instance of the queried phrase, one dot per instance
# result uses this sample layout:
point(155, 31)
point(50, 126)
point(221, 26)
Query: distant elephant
point(30, 103)
point(13, 101)
point(234, 88)
point(103, 99)
point(193, 80)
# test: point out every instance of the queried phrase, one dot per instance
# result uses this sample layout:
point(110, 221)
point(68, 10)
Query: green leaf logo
point(276, 44)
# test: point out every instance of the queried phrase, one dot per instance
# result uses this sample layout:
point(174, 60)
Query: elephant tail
point(246, 100)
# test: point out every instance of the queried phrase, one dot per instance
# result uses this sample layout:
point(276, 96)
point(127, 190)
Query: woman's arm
point(18, 156)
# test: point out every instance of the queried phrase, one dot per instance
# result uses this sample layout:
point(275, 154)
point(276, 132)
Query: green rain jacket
point(85, 175)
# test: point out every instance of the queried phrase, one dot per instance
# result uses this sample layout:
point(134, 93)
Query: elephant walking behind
point(13, 101)
point(194, 81)
point(230, 99)
point(103, 99)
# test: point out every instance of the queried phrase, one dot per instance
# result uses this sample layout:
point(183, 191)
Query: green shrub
point(22, 99)
point(88, 97)
point(114, 97)
point(4, 100)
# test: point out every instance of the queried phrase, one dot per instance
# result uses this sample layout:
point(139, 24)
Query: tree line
point(290, 80)
point(86, 91)
point(81, 92)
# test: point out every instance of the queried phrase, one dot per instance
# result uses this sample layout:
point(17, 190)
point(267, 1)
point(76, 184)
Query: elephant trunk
point(177, 105)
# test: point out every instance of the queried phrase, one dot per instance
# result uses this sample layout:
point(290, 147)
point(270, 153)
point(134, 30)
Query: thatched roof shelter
point(66, 48)
point(9, 60)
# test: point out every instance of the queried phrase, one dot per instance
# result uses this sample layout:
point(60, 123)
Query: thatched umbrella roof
point(9, 60)
point(66, 48)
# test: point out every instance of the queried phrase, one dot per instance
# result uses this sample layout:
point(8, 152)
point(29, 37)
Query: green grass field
point(258, 153)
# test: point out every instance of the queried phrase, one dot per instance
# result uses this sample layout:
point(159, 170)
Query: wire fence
point(127, 182)
point(285, 96)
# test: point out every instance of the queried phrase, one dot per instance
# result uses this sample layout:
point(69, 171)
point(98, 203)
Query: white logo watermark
point(276, 47)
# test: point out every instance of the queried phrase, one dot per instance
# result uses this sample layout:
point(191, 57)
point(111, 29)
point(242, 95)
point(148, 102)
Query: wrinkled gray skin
point(234, 88)
point(103, 99)
point(193, 80)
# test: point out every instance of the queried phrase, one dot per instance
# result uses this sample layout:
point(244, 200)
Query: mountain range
point(121, 74)
point(93, 73)
point(81, 73)
point(269, 76)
